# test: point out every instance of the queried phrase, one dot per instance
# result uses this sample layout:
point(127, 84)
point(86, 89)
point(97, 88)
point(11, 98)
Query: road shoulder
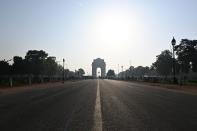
point(191, 89)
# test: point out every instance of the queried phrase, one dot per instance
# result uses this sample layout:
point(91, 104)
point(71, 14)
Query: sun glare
point(113, 28)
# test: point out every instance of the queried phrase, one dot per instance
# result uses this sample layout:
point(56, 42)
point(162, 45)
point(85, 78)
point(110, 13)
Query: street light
point(173, 42)
point(63, 69)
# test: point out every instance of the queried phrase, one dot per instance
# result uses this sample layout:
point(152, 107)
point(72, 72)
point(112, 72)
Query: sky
point(122, 32)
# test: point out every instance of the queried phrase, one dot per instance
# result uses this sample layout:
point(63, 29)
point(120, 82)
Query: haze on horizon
point(121, 32)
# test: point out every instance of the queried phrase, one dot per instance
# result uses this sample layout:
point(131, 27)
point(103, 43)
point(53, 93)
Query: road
point(98, 105)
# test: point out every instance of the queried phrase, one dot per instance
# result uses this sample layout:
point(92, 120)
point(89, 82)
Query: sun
point(113, 28)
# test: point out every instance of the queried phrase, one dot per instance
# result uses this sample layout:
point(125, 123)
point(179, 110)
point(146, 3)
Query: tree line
point(37, 63)
point(185, 62)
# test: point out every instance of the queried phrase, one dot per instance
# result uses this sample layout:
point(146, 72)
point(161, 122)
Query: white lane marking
point(97, 111)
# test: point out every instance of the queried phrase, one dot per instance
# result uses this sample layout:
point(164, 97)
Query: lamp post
point(173, 42)
point(63, 69)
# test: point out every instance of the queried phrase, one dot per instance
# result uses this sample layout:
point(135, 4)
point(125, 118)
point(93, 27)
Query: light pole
point(63, 69)
point(173, 42)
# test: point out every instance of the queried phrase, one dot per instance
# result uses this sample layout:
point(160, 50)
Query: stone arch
point(98, 63)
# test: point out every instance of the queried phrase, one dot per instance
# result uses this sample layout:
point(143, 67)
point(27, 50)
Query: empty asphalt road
point(96, 105)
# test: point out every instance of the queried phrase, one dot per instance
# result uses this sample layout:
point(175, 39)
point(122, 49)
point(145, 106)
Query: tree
point(50, 66)
point(35, 61)
point(163, 64)
point(110, 73)
point(19, 66)
point(5, 68)
point(81, 72)
point(34, 55)
point(187, 52)
point(140, 71)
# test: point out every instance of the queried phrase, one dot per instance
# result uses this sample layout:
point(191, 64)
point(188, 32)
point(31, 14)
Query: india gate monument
point(98, 63)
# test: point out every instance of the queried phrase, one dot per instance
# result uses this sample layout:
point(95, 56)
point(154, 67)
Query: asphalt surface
point(95, 105)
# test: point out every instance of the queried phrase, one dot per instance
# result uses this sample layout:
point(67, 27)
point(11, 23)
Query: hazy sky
point(122, 32)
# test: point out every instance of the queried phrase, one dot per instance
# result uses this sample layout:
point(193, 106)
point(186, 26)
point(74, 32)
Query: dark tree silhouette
point(163, 64)
point(34, 55)
point(187, 52)
point(5, 68)
point(36, 61)
point(110, 73)
point(50, 66)
point(35, 67)
point(19, 66)
point(81, 72)
point(139, 71)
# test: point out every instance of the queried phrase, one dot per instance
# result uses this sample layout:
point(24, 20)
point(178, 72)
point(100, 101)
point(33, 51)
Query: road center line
point(97, 111)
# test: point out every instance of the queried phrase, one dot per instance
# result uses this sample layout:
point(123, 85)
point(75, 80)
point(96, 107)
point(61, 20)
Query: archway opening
point(98, 72)
point(98, 68)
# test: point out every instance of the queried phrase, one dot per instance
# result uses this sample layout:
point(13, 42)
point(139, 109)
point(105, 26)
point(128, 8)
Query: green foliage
point(5, 68)
point(20, 65)
point(110, 73)
point(81, 72)
point(36, 61)
point(35, 55)
point(163, 64)
point(139, 71)
point(50, 66)
point(187, 52)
